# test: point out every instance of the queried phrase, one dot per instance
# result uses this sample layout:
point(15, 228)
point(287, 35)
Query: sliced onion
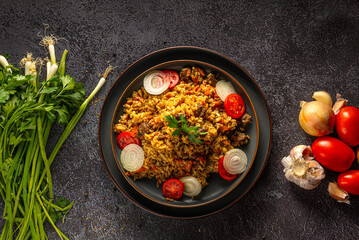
point(235, 161)
point(156, 82)
point(224, 88)
point(192, 187)
point(132, 157)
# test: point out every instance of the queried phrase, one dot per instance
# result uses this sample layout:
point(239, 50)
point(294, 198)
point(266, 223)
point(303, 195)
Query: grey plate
point(223, 193)
point(217, 187)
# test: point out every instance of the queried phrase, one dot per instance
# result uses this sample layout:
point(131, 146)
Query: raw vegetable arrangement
point(29, 106)
point(180, 127)
point(305, 165)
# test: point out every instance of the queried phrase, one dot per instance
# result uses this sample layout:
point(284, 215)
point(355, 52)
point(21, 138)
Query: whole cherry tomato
point(349, 181)
point(347, 125)
point(333, 153)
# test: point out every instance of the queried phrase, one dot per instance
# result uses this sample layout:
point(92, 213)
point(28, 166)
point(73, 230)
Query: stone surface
point(291, 48)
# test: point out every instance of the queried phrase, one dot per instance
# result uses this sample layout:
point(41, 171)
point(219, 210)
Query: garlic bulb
point(301, 169)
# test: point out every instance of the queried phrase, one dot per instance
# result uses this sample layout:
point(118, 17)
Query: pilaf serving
point(170, 154)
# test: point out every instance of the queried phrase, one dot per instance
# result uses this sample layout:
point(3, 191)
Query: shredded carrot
point(224, 128)
point(217, 104)
point(134, 130)
point(141, 169)
point(194, 79)
point(201, 72)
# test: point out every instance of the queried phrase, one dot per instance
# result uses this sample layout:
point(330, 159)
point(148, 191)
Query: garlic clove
point(301, 151)
point(287, 162)
point(337, 193)
point(339, 104)
point(315, 169)
point(323, 97)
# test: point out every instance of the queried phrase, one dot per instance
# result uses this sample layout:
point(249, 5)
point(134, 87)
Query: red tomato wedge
point(234, 105)
point(224, 174)
point(347, 125)
point(172, 76)
point(127, 138)
point(333, 153)
point(349, 181)
point(172, 188)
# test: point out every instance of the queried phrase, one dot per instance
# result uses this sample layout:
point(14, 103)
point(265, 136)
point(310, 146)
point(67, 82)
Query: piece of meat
point(197, 75)
point(200, 110)
point(245, 120)
point(211, 79)
point(239, 139)
point(185, 74)
point(143, 128)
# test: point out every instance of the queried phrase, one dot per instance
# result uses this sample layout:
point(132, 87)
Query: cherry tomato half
point(333, 153)
point(126, 138)
point(172, 76)
point(172, 188)
point(224, 174)
point(349, 181)
point(234, 105)
point(347, 125)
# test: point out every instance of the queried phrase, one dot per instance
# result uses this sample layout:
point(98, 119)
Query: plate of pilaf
point(185, 133)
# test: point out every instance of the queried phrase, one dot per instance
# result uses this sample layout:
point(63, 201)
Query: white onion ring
point(235, 161)
point(132, 157)
point(223, 89)
point(191, 186)
point(156, 82)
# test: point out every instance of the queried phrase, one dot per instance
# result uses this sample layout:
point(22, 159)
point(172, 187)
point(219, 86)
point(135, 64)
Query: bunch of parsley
point(28, 109)
point(182, 126)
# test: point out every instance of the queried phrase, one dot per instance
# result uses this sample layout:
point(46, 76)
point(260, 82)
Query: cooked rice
point(168, 156)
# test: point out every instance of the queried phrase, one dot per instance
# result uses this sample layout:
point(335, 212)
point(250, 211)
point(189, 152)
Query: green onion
point(28, 109)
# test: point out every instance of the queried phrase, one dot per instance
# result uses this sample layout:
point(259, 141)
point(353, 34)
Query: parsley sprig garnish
point(182, 126)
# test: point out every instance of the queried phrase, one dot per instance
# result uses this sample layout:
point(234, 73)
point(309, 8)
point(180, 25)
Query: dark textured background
point(291, 48)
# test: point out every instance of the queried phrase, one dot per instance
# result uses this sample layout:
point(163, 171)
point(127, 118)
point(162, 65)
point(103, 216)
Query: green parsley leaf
point(172, 121)
point(192, 131)
point(4, 96)
point(68, 83)
point(62, 115)
point(49, 90)
point(57, 213)
point(177, 132)
point(194, 138)
point(14, 140)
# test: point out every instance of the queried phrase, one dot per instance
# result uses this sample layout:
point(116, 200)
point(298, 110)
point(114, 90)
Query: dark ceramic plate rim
point(265, 127)
point(237, 181)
